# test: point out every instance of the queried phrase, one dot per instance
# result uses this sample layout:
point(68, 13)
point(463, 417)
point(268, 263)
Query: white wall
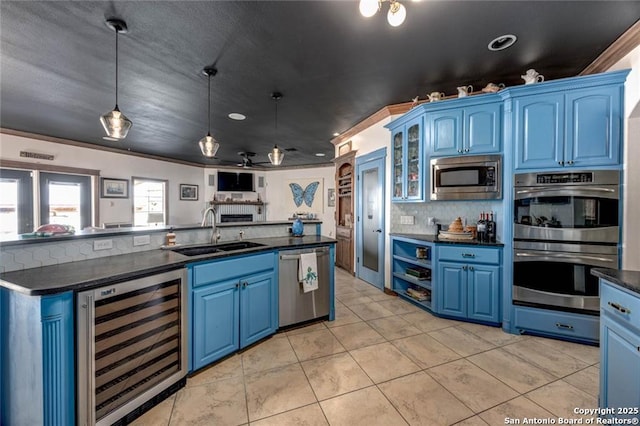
point(631, 194)
point(278, 194)
point(120, 166)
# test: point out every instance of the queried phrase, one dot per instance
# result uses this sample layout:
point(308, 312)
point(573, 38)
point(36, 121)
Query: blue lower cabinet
point(234, 304)
point(578, 327)
point(469, 291)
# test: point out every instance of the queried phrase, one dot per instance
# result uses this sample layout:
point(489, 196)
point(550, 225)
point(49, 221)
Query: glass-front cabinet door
point(408, 175)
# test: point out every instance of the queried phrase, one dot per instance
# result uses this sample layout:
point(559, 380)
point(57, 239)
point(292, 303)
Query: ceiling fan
point(246, 161)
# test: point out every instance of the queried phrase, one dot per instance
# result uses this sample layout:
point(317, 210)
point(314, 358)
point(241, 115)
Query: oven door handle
point(544, 191)
point(552, 255)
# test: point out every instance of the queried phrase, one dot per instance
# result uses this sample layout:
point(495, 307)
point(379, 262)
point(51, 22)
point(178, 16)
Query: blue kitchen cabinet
point(619, 350)
point(472, 129)
point(468, 285)
point(407, 144)
point(234, 304)
point(571, 128)
point(411, 270)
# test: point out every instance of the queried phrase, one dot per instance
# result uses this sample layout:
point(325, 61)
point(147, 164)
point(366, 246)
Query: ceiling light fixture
point(502, 42)
point(208, 145)
point(237, 116)
point(396, 15)
point(115, 123)
point(276, 155)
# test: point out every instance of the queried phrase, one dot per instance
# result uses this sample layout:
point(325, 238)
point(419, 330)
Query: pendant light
point(115, 123)
point(208, 145)
point(276, 155)
point(396, 15)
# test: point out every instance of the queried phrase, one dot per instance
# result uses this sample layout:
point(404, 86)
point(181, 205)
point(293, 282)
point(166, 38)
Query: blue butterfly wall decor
point(307, 194)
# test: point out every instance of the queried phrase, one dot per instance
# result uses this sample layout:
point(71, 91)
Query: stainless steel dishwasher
point(296, 306)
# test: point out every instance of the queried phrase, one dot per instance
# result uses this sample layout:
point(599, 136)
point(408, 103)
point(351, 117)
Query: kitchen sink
point(196, 251)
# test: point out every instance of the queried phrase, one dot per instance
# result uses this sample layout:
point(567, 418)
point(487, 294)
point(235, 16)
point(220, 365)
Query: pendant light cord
point(116, 67)
point(209, 113)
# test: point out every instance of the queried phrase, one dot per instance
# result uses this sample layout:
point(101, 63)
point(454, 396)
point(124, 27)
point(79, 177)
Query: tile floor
point(385, 362)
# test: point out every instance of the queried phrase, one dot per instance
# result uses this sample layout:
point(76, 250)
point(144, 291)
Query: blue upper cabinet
point(568, 125)
point(539, 120)
point(407, 142)
point(473, 129)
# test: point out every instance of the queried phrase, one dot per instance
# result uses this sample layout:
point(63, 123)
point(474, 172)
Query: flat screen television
point(236, 182)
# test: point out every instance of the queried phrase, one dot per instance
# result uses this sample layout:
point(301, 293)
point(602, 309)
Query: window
point(65, 199)
point(149, 202)
point(16, 202)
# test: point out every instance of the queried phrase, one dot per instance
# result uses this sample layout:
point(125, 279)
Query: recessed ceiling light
point(237, 116)
point(502, 42)
point(336, 134)
point(320, 154)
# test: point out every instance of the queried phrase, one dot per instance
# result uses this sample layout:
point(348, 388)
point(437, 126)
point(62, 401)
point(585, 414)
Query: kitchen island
point(39, 323)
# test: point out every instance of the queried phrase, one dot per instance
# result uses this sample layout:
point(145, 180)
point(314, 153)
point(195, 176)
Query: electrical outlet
point(141, 240)
point(407, 220)
point(289, 230)
point(102, 245)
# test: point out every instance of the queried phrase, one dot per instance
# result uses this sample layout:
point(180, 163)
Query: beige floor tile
point(517, 409)
point(512, 370)
point(370, 310)
point(226, 369)
point(587, 353)
point(311, 415)
point(473, 421)
point(425, 351)
point(380, 297)
point(364, 407)
point(221, 402)
point(307, 328)
point(557, 363)
point(358, 335)
point(399, 306)
point(335, 375)
point(560, 398)
point(158, 415)
point(272, 353)
point(426, 322)
point(422, 401)
point(394, 327)
point(587, 380)
point(315, 344)
point(460, 340)
point(494, 335)
point(383, 362)
point(276, 391)
point(473, 386)
point(344, 316)
point(354, 299)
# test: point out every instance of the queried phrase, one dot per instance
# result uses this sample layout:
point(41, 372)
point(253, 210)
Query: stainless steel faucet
point(214, 236)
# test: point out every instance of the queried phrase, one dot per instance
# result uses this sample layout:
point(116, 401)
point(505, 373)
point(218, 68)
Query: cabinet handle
point(617, 307)
point(466, 150)
point(471, 268)
point(570, 162)
point(561, 162)
point(237, 285)
point(459, 150)
point(564, 326)
point(245, 284)
point(464, 268)
point(468, 255)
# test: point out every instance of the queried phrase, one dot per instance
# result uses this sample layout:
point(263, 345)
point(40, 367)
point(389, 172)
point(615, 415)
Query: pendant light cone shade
point(116, 124)
point(208, 145)
point(397, 14)
point(276, 156)
point(368, 8)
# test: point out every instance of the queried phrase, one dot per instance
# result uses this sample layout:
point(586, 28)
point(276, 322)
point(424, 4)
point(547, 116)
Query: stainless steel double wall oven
point(565, 223)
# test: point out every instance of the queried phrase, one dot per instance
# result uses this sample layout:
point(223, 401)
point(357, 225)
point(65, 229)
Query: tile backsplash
point(444, 213)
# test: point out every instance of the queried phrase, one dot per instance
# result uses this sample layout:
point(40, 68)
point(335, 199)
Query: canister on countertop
point(170, 238)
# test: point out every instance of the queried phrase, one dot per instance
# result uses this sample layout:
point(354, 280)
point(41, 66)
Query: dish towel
point(308, 272)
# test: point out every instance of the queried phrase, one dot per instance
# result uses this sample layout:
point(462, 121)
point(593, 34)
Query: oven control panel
point(583, 177)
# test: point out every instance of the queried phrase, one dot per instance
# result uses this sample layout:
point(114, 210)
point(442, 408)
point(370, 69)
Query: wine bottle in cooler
point(491, 229)
point(481, 227)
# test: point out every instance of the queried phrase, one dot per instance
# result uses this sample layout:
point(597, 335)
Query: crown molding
point(628, 41)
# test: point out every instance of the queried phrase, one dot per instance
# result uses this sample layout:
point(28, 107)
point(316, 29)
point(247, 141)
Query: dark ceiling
point(333, 66)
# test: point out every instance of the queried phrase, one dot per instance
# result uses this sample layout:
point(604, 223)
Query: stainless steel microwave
point(469, 177)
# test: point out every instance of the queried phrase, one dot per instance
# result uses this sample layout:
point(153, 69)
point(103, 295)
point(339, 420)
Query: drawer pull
point(619, 308)
point(564, 326)
point(468, 255)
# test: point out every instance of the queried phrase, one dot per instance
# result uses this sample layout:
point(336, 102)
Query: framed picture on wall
point(188, 192)
point(114, 188)
point(331, 197)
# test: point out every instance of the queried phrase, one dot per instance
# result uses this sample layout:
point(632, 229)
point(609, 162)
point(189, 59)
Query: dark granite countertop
point(626, 279)
point(430, 238)
point(93, 273)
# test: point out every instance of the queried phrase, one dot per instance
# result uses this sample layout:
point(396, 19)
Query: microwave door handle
point(549, 255)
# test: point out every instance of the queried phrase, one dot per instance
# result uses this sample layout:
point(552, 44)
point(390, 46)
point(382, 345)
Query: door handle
point(379, 231)
point(620, 308)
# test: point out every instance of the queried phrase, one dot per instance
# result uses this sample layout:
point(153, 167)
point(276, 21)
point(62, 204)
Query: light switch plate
point(407, 220)
point(102, 245)
point(141, 240)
